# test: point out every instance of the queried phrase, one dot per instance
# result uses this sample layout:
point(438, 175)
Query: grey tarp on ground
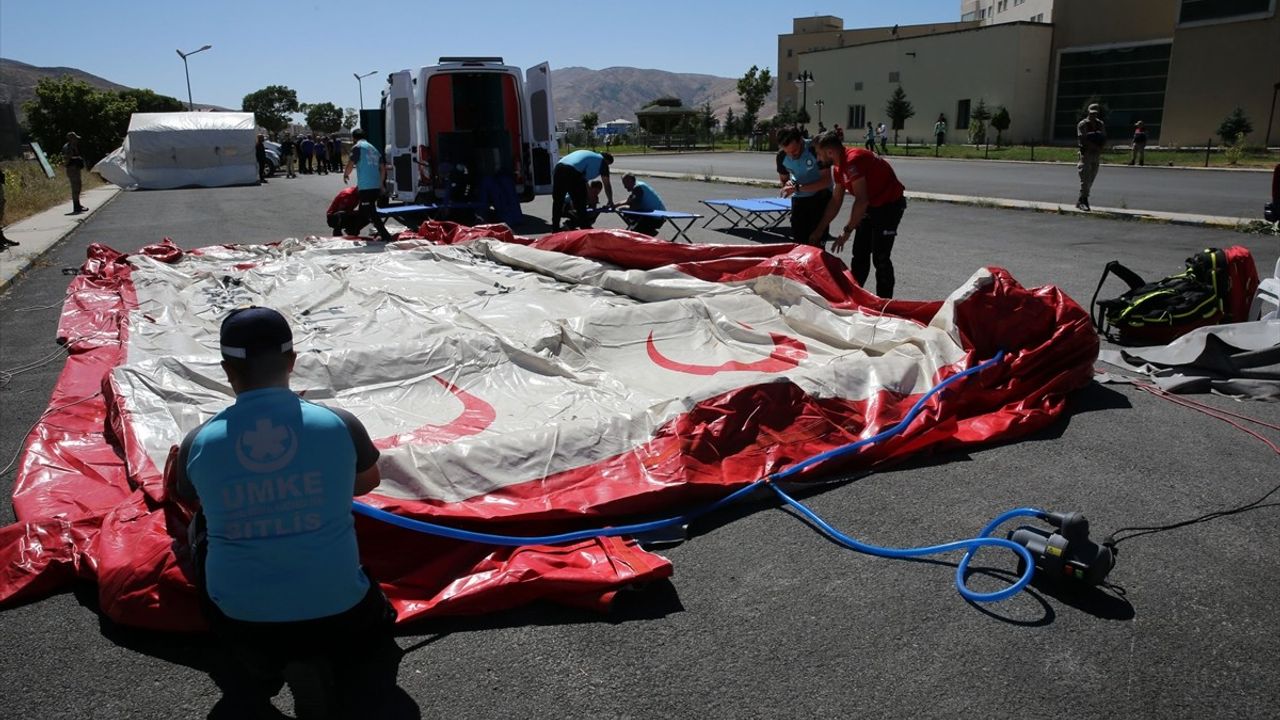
point(1240, 359)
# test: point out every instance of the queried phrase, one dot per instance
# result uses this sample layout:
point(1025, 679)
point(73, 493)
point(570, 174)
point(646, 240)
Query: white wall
point(1002, 64)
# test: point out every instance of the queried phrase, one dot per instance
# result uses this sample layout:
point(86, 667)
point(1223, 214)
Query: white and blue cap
point(255, 332)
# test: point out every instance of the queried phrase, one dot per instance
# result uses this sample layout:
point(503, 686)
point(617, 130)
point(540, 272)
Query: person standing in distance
point(73, 161)
point(570, 178)
point(371, 178)
point(806, 182)
point(879, 201)
point(940, 130)
point(1091, 135)
point(273, 477)
point(260, 154)
point(1139, 151)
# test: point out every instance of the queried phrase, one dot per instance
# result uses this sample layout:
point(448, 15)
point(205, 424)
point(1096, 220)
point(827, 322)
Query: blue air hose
point(969, 546)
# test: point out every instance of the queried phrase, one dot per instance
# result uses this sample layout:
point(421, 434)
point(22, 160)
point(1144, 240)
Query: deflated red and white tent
point(514, 386)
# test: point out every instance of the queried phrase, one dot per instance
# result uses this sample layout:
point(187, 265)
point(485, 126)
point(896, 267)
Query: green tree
point(753, 88)
point(350, 118)
point(730, 122)
point(589, 122)
point(978, 118)
point(1001, 122)
point(899, 110)
point(1235, 124)
point(322, 117)
point(63, 105)
point(149, 101)
point(785, 117)
point(271, 106)
point(709, 120)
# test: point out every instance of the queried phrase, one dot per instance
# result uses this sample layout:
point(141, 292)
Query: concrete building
point(1180, 66)
point(946, 73)
point(990, 12)
point(825, 32)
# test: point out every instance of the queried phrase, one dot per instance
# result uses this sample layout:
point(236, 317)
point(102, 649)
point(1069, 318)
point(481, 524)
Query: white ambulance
point(490, 118)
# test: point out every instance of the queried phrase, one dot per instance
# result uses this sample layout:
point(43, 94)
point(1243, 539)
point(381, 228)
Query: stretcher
point(759, 214)
point(669, 217)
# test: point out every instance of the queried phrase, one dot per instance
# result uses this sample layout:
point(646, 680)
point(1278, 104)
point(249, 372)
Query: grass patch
point(28, 192)
point(1163, 157)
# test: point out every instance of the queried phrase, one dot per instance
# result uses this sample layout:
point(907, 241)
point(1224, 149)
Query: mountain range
point(612, 93)
point(618, 92)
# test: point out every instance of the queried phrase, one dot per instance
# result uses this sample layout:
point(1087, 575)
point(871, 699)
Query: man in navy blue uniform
point(806, 181)
point(274, 477)
point(570, 177)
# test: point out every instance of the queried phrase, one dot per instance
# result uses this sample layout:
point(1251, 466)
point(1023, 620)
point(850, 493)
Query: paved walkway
point(40, 232)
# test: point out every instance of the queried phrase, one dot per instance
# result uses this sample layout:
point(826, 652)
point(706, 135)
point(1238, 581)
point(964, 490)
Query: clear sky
point(314, 46)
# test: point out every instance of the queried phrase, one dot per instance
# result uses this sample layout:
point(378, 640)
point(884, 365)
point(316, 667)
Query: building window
point(789, 77)
point(893, 77)
point(962, 115)
point(857, 116)
point(789, 52)
point(1038, 18)
point(1128, 81)
point(1198, 10)
point(982, 13)
point(857, 86)
point(968, 17)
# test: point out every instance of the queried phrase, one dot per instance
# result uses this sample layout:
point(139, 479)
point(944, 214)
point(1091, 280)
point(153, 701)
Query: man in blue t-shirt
point(570, 178)
point(274, 477)
point(371, 178)
point(805, 181)
point(643, 199)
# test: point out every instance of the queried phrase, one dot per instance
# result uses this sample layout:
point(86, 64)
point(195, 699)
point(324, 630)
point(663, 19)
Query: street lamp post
point(360, 84)
point(190, 105)
point(1266, 141)
point(819, 103)
point(803, 81)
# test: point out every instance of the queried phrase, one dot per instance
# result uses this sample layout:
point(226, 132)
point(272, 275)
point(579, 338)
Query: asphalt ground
point(765, 617)
point(1233, 193)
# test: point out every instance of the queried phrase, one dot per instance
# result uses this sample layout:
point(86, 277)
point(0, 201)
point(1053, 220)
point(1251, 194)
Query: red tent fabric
point(92, 504)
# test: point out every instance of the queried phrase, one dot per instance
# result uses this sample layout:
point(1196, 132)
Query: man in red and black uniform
point(878, 204)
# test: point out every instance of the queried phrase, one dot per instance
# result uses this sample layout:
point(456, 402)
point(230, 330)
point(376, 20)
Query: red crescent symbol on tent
point(476, 416)
point(787, 353)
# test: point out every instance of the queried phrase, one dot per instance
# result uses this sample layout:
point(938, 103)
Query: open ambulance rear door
point(542, 139)
point(402, 136)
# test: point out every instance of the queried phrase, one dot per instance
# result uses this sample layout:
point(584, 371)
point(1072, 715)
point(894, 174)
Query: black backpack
point(1158, 312)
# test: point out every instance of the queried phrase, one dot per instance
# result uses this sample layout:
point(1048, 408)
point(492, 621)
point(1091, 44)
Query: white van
point(475, 111)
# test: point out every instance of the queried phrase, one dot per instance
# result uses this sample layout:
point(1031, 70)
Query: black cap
point(255, 332)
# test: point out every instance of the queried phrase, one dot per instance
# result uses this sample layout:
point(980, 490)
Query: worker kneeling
point(273, 477)
point(642, 198)
point(346, 214)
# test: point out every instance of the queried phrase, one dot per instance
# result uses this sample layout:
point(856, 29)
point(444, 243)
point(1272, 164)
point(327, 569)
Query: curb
point(1213, 221)
point(42, 231)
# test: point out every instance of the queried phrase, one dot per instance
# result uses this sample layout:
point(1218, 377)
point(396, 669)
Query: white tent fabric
point(402, 334)
point(186, 149)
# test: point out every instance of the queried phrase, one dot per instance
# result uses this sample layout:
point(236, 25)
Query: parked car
point(274, 157)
